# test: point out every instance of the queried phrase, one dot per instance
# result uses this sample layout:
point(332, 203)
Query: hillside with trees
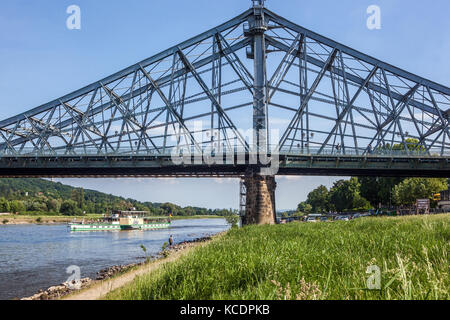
point(39, 196)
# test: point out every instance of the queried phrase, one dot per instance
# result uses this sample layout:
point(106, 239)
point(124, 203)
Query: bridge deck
point(236, 166)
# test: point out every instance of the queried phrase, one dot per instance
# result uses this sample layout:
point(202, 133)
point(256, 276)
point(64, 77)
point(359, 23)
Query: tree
point(4, 205)
point(408, 191)
point(319, 199)
point(377, 190)
point(70, 208)
point(304, 208)
point(345, 195)
point(54, 205)
point(412, 144)
point(78, 197)
point(17, 206)
point(232, 218)
point(36, 205)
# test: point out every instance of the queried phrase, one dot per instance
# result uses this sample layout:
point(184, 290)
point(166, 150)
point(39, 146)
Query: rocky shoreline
point(66, 288)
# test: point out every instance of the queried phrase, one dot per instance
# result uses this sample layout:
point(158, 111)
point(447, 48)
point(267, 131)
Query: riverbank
point(308, 261)
point(115, 276)
point(50, 220)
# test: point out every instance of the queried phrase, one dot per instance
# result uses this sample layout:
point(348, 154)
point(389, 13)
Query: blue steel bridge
point(257, 83)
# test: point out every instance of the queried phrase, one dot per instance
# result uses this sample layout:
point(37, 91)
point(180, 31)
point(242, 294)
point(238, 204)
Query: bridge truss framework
point(317, 103)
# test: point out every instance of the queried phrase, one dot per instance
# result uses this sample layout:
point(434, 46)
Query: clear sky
point(40, 59)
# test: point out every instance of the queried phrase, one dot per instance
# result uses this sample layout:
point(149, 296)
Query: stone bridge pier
point(260, 200)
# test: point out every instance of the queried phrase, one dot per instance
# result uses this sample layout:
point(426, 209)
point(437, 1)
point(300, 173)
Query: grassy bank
point(310, 261)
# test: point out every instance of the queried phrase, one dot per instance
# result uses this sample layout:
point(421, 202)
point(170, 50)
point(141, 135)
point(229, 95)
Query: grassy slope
point(307, 261)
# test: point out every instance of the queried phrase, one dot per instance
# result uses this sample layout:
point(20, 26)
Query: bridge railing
point(173, 152)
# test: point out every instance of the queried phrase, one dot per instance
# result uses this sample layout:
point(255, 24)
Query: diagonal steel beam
point(308, 96)
point(172, 110)
point(351, 77)
point(235, 63)
point(394, 115)
point(348, 107)
point(213, 99)
point(285, 65)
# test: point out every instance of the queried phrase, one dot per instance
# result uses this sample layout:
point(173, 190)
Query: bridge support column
point(260, 200)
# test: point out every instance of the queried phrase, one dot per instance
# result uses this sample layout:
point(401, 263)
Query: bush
point(17, 206)
point(232, 219)
point(4, 205)
point(70, 208)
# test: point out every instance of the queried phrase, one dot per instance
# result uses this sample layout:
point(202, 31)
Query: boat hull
point(150, 226)
point(116, 227)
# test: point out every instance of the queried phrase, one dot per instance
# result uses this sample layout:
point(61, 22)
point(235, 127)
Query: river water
point(34, 257)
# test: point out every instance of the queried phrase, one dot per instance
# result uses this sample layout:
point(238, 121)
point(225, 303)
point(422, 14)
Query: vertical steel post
point(258, 27)
point(260, 190)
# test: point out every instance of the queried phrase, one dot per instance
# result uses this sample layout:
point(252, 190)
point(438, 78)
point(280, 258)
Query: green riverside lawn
point(310, 261)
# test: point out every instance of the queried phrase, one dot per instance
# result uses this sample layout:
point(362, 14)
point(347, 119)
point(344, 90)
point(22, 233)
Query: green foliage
point(147, 258)
point(4, 205)
point(232, 219)
point(408, 191)
point(17, 206)
point(345, 196)
point(319, 199)
point(412, 144)
point(78, 197)
point(304, 208)
point(377, 190)
point(165, 250)
point(70, 208)
point(260, 262)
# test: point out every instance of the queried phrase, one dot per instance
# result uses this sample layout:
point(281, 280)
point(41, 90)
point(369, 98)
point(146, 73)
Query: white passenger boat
point(123, 220)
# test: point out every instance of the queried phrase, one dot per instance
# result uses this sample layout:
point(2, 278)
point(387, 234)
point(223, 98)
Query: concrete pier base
point(260, 200)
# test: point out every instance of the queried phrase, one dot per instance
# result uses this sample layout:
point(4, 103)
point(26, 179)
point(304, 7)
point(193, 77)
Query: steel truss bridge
point(257, 83)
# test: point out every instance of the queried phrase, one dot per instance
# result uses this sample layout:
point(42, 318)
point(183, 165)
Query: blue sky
point(40, 59)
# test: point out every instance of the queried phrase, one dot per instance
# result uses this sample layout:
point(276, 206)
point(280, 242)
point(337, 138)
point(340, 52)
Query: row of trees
point(370, 192)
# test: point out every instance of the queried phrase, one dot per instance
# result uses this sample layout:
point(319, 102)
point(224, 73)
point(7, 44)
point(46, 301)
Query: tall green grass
point(310, 261)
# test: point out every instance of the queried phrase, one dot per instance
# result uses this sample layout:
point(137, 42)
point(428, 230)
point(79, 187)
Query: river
point(34, 257)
